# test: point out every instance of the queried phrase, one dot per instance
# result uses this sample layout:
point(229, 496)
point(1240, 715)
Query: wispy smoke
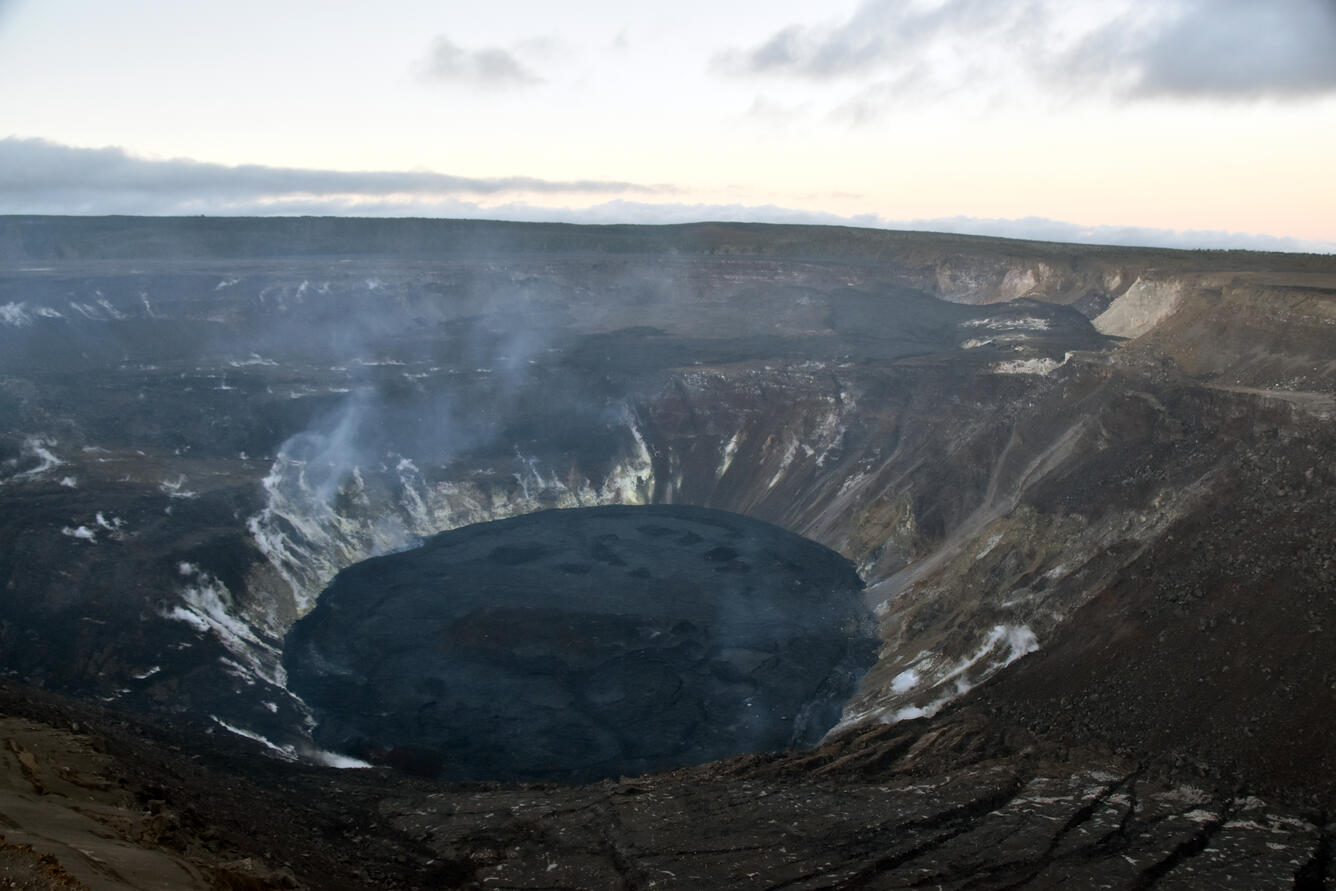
point(383, 422)
point(333, 448)
point(375, 470)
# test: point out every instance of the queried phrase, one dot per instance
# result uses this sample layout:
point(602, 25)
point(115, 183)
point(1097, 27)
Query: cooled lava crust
point(578, 644)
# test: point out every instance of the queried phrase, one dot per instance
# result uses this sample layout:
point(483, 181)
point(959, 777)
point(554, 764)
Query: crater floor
point(581, 644)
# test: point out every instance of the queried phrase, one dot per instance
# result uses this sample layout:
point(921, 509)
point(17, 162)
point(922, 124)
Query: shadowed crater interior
point(574, 645)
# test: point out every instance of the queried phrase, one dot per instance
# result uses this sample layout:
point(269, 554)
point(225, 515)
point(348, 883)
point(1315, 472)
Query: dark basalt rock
point(579, 644)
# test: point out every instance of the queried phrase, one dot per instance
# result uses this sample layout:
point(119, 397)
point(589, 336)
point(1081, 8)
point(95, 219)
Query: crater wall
point(205, 421)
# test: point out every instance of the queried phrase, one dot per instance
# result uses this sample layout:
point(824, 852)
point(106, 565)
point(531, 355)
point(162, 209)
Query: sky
point(1188, 123)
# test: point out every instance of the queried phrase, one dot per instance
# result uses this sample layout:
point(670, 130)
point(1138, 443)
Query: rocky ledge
point(968, 799)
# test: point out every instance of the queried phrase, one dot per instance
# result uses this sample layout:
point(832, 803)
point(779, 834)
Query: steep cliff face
point(200, 433)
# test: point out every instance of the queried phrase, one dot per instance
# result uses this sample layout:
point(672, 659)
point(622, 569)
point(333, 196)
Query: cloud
point(775, 114)
point(39, 176)
point(42, 177)
point(898, 50)
point(489, 67)
point(1220, 49)
point(884, 36)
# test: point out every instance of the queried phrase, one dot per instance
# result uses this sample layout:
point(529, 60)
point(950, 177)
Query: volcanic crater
point(1088, 492)
point(586, 643)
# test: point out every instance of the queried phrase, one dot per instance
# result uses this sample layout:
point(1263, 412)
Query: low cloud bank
point(42, 177)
